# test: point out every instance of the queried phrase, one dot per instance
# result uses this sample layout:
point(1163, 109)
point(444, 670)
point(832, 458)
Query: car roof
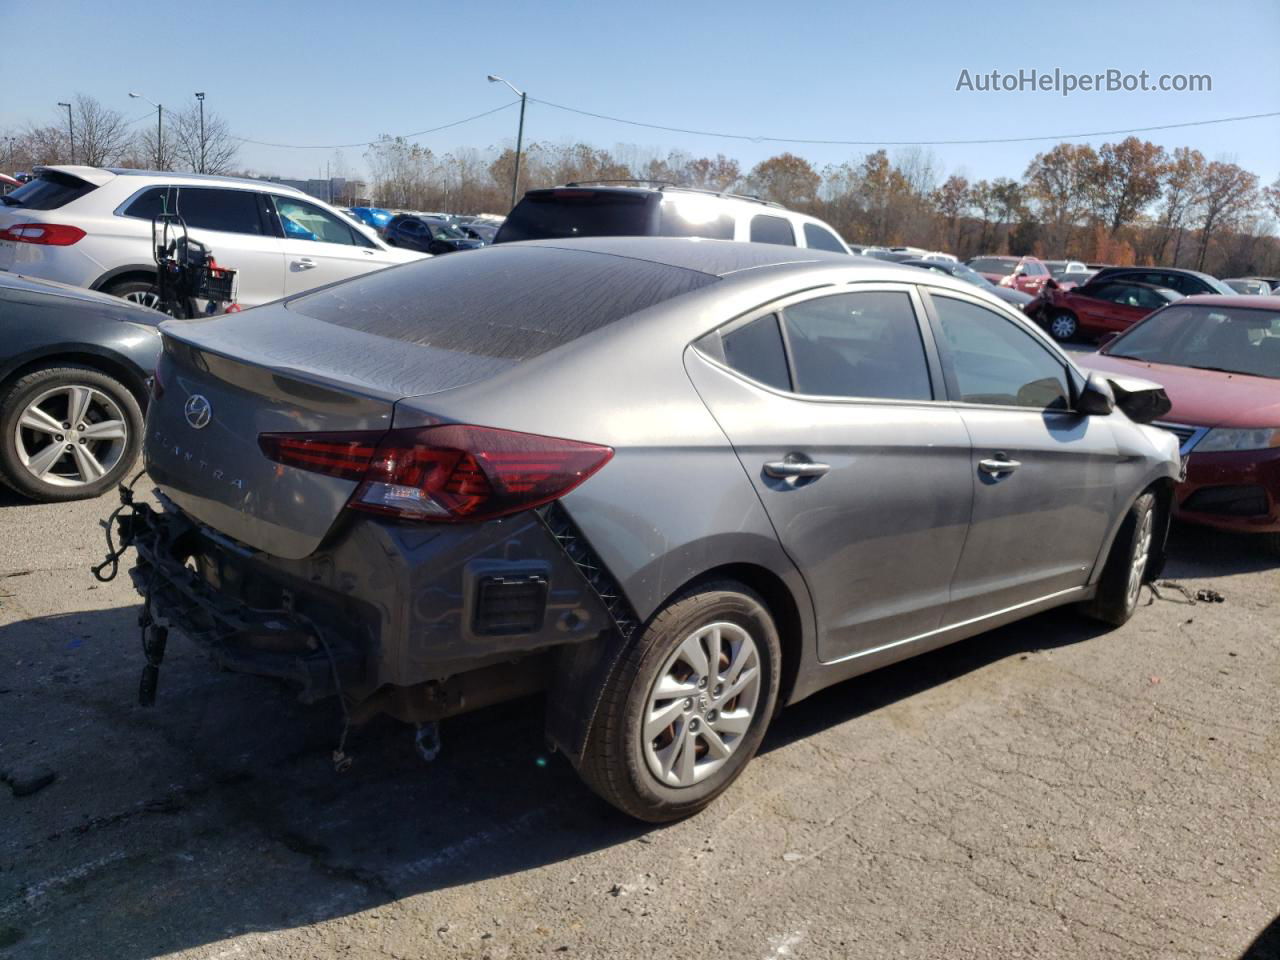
point(947, 265)
point(1180, 270)
point(998, 256)
point(717, 258)
point(103, 175)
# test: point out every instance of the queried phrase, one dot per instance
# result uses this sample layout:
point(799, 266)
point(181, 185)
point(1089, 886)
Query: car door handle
point(306, 263)
point(796, 468)
point(999, 464)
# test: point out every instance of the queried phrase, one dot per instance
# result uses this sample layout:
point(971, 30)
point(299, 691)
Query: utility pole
point(71, 132)
point(515, 180)
point(200, 97)
point(159, 128)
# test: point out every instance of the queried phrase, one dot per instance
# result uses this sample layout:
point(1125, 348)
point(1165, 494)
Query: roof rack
point(669, 184)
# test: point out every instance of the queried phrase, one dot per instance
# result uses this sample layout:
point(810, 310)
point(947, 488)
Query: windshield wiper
point(1196, 366)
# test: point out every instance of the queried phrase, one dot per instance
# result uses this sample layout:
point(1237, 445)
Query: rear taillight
point(444, 474)
point(47, 234)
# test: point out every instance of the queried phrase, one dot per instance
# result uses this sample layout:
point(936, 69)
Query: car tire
point(1271, 543)
point(110, 416)
point(1063, 325)
point(718, 718)
point(1127, 564)
point(144, 293)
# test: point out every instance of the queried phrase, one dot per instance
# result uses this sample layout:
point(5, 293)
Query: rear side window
point(503, 302)
point(819, 238)
point(557, 214)
point(765, 229)
point(755, 350)
point(864, 344)
point(49, 191)
point(694, 219)
point(229, 211)
point(150, 203)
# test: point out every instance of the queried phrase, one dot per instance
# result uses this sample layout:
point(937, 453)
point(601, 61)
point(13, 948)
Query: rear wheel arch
point(131, 377)
point(139, 273)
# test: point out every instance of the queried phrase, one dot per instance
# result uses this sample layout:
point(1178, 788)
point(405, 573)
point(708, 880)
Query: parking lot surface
point(1050, 789)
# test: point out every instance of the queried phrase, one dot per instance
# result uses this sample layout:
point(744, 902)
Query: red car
point(1218, 358)
point(1093, 309)
point(1021, 273)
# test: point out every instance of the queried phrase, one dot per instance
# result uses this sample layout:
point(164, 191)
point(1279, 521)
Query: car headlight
point(1225, 438)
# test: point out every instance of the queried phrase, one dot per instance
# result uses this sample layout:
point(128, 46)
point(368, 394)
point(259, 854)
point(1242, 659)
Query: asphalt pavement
point(1051, 789)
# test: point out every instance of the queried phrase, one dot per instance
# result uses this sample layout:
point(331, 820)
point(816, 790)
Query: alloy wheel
point(702, 704)
point(1141, 552)
point(1062, 327)
point(71, 435)
point(144, 298)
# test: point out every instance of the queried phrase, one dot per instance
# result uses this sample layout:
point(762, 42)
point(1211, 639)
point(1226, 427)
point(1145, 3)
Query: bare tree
point(102, 134)
point(212, 150)
point(1230, 192)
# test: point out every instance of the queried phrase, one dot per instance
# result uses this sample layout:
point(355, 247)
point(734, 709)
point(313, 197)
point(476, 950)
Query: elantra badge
point(198, 412)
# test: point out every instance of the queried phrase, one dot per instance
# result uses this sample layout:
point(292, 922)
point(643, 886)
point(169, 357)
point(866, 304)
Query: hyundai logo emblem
point(198, 412)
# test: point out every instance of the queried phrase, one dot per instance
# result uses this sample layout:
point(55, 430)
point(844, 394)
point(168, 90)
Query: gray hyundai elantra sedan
point(676, 484)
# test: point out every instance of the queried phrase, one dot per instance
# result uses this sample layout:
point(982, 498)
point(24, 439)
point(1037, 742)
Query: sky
point(325, 73)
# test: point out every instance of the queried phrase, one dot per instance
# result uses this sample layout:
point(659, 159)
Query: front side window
point(865, 344)
point(765, 229)
point(228, 211)
point(305, 221)
point(819, 238)
point(994, 362)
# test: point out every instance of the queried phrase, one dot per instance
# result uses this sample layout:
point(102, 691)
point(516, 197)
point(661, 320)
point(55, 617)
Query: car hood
point(1202, 398)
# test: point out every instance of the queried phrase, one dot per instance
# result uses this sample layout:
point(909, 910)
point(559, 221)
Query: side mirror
point(1097, 398)
point(1141, 400)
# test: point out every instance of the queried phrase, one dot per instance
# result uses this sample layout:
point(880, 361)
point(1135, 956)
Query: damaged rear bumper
point(410, 619)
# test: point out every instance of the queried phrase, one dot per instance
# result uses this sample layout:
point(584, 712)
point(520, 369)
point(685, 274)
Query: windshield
point(1236, 339)
point(448, 231)
point(993, 265)
point(969, 275)
point(49, 191)
point(555, 214)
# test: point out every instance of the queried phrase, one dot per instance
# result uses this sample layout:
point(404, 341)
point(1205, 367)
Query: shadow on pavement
point(218, 812)
point(1267, 945)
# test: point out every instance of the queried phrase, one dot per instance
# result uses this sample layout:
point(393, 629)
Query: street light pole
point(200, 97)
point(71, 131)
point(159, 128)
point(515, 180)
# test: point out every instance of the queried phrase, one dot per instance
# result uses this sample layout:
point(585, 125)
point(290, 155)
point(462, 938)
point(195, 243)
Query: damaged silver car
point(676, 484)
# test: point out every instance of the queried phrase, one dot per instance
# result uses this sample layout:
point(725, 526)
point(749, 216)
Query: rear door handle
point(999, 464)
point(306, 263)
point(796, 468)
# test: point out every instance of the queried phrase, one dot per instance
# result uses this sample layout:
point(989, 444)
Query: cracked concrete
point(1046, 790)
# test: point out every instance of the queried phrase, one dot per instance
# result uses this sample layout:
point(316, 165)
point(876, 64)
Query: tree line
point(100, 136)
point(1132, 201)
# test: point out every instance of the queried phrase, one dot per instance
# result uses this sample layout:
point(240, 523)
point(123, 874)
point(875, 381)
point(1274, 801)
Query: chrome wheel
point(701, 704)
point(1138, 564)
point(69, 436)
point(144, 298)
point(1063, 327)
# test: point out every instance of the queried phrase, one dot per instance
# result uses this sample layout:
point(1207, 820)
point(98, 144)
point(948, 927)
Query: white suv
point(605, 209)
point(92, 228)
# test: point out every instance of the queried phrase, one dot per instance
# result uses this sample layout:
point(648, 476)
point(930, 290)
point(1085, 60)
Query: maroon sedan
point(1020, 273)
point(1218, 358)
point(1096, 308)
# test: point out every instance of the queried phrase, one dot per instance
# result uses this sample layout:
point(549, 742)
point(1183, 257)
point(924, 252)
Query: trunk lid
point(260, 372)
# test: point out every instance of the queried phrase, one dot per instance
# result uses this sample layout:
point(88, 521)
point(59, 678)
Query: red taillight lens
point(344, 455)
point(47, 234)
point(445, 474)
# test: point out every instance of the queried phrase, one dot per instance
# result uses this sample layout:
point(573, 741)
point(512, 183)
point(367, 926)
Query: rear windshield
point(992, 265)
point(49, 191)
point(557, 214)
point(505, 302)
